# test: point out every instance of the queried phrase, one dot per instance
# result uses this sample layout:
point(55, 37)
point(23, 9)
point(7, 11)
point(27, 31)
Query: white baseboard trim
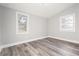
point(59, 38)
point(12, 44)
point(17, 43)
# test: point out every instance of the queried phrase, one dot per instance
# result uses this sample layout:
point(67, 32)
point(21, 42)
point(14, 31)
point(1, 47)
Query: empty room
point(39, 29)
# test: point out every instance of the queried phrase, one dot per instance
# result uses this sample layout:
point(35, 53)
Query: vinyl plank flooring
point(43, 47)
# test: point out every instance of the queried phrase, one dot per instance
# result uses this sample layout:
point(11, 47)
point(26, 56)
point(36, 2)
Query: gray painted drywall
point(0, 26)
point(54, 24)
point(37, 27)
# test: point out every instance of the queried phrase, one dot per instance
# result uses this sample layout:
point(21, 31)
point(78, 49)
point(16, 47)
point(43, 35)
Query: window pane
point(67, 23)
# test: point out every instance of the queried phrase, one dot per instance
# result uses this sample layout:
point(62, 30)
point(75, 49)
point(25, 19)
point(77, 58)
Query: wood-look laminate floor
point(43, 47)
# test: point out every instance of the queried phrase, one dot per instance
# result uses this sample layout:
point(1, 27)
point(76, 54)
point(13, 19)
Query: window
point(21, 23)
point(67, 23)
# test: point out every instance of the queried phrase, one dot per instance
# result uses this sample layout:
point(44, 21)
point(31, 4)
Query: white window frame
point(27, 25)
point(67, 30)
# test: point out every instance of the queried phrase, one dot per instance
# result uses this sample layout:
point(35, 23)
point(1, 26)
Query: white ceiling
point(45, 10)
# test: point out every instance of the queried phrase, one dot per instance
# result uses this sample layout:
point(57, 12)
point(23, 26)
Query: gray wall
point(0, 26)
point(54, 29)
point(37, 27)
